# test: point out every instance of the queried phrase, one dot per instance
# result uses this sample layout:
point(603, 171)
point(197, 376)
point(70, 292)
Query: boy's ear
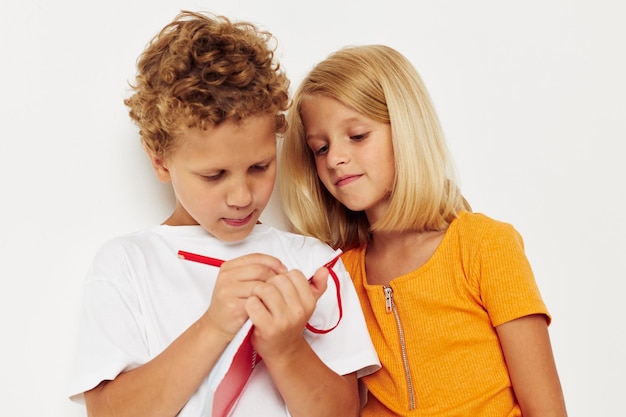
point(158, 164)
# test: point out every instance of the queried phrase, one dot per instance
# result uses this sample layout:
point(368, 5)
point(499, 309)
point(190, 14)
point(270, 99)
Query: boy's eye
point(259, 168)
point(213, 177)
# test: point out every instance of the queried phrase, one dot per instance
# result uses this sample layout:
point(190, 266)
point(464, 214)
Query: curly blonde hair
point(201, 70)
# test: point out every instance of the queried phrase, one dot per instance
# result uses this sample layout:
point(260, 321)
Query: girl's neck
point(392, 254)
point(385, 241)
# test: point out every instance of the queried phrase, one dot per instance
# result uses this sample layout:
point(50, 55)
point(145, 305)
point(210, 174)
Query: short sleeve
point(505, 278)
point(348, 347)
point(110, 334)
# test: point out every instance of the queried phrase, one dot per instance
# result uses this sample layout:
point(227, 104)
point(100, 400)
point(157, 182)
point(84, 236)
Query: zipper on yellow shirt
point(390, 307)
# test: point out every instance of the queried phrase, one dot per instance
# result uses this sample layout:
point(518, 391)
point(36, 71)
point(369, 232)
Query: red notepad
point(231, 373)
point(235, 365)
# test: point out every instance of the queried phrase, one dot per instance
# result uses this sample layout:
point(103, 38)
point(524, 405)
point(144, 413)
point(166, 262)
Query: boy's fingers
point(319, 282)
point(270, 262)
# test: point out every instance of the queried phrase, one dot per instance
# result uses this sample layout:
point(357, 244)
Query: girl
point(449, 296)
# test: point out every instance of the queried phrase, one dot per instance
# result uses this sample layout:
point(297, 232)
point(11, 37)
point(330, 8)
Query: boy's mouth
point(238, 222)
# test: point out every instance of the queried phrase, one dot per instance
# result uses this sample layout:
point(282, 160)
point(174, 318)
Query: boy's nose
point(239, 195)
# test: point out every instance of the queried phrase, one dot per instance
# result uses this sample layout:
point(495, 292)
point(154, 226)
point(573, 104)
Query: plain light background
point(531, 95)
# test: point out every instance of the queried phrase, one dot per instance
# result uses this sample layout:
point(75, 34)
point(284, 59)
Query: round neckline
point(424, 267)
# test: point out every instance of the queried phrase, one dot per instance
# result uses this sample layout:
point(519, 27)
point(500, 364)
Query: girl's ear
point(158, 164)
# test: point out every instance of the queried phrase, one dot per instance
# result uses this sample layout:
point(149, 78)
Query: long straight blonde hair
point(380, 83)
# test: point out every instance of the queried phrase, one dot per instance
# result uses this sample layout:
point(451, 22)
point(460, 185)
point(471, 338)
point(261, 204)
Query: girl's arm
point(528, 354)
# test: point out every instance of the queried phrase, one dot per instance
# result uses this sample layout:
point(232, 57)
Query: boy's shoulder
point(294, 250)
point(287, 235)
point(129, 239)
point(295, 241)
point(125, 245)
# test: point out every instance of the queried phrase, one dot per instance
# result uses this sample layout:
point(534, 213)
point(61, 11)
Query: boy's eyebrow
point(269, 158)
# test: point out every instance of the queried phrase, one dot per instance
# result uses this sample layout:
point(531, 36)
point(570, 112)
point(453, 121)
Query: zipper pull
point(388, 299)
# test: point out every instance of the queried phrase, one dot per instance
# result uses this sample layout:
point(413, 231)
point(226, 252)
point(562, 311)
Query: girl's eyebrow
point(309, 137)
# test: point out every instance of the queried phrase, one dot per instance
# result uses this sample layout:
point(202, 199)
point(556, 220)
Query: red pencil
point(200, 258)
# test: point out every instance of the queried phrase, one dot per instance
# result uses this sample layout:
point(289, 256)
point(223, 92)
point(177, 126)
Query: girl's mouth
point(347, 180)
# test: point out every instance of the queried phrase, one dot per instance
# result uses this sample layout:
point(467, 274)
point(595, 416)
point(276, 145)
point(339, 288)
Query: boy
point(209, 100)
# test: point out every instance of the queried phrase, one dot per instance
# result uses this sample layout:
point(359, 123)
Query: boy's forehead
point(252, 137)
point(263, 121)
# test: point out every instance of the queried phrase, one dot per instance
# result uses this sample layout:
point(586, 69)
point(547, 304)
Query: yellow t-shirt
point(445, 313)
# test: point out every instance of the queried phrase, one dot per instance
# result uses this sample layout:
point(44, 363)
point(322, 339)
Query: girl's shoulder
point(479, 226)
point(476, 235)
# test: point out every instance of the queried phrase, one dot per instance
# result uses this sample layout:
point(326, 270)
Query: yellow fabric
point(478, 278)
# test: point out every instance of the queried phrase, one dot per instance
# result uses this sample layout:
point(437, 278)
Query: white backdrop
point(531, 96)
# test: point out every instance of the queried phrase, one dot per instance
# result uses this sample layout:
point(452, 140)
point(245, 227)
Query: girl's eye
point(321, 150)
point(359, 137)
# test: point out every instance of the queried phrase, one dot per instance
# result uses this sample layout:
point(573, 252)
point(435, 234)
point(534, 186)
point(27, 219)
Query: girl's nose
point(337, 154)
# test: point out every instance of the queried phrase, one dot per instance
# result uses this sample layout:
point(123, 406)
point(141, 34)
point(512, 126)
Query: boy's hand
point(236, 282)
point(319, 282)
point(280, 308)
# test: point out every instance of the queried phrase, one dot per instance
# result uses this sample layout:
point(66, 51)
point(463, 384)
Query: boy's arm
point(279, 310)
point(162, 386)
point(528, 354)
point(310, 388)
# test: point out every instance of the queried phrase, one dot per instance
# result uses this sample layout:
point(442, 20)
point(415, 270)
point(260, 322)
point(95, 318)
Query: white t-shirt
point(140, 296)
